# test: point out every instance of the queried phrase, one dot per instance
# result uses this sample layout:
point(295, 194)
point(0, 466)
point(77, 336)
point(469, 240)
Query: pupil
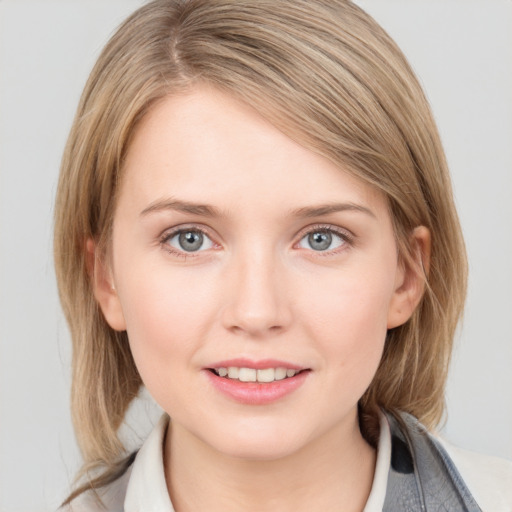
point(191, 240)
point(320, 241)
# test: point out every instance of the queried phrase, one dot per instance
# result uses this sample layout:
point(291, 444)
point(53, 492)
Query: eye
point(189, 240)
point(322, 240)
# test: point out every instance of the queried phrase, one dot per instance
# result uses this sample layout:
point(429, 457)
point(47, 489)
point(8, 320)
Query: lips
point(256, 382)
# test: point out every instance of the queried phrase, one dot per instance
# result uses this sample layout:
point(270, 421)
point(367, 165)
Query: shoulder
point(489, 479)
point(107, 499)
point(448, 473)
point(141, 486)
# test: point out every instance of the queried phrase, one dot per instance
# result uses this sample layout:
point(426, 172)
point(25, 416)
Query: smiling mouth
point(263, 375)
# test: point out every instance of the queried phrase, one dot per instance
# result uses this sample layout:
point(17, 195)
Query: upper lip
point(259, 364)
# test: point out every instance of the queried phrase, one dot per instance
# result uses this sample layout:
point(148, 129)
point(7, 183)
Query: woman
point(263, 234)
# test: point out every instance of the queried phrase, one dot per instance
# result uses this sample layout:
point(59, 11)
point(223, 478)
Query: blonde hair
point(325, 73)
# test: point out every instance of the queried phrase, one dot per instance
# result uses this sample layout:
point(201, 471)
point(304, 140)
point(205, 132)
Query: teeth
point(266, 375)
point(247, 374)
point(280, 373)
point(233, 372)
point(253, 375)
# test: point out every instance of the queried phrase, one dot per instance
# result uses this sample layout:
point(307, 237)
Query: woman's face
point(236, 250)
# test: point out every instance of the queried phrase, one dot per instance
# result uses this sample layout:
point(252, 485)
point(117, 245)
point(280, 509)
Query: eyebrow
point(318, 211)
point(206, 210)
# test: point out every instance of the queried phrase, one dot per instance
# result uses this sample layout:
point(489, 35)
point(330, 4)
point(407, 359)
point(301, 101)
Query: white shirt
point(143, 488)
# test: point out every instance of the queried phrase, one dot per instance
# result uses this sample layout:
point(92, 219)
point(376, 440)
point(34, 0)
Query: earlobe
point(411, 279)
point(103, 287)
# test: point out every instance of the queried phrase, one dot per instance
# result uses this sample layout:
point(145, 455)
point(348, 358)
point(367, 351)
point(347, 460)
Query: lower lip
point(256, 393)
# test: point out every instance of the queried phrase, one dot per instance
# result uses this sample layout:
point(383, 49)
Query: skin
point(256, 289)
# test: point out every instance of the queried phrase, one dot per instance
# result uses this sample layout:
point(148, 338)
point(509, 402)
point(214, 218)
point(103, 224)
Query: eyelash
point(169, 235)
point(345, 236)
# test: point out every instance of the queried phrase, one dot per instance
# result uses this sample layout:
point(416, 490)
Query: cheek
point(166, 314)
point(355, 301)
point(349, 320)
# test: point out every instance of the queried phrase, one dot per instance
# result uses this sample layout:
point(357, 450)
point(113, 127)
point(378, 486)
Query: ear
point(103, 287)
point(410, 279)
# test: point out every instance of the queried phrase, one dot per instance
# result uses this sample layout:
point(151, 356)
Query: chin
point(263, 451)
point(259, 442)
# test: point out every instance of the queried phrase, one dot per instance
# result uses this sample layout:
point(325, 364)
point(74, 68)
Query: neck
point(335, 472)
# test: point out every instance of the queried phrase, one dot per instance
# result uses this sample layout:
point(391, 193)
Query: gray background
point(462, 51)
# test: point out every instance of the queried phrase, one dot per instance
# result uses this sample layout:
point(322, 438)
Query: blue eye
point(322, 240)
point(190, 240)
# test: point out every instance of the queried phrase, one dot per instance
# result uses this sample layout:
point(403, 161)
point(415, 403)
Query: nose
point(257, 299)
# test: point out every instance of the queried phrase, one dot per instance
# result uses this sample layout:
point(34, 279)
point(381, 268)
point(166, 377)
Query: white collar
point(147, 489)
point(377, 496)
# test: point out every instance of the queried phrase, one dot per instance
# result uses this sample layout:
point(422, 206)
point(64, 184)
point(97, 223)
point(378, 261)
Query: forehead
point(208, 147)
